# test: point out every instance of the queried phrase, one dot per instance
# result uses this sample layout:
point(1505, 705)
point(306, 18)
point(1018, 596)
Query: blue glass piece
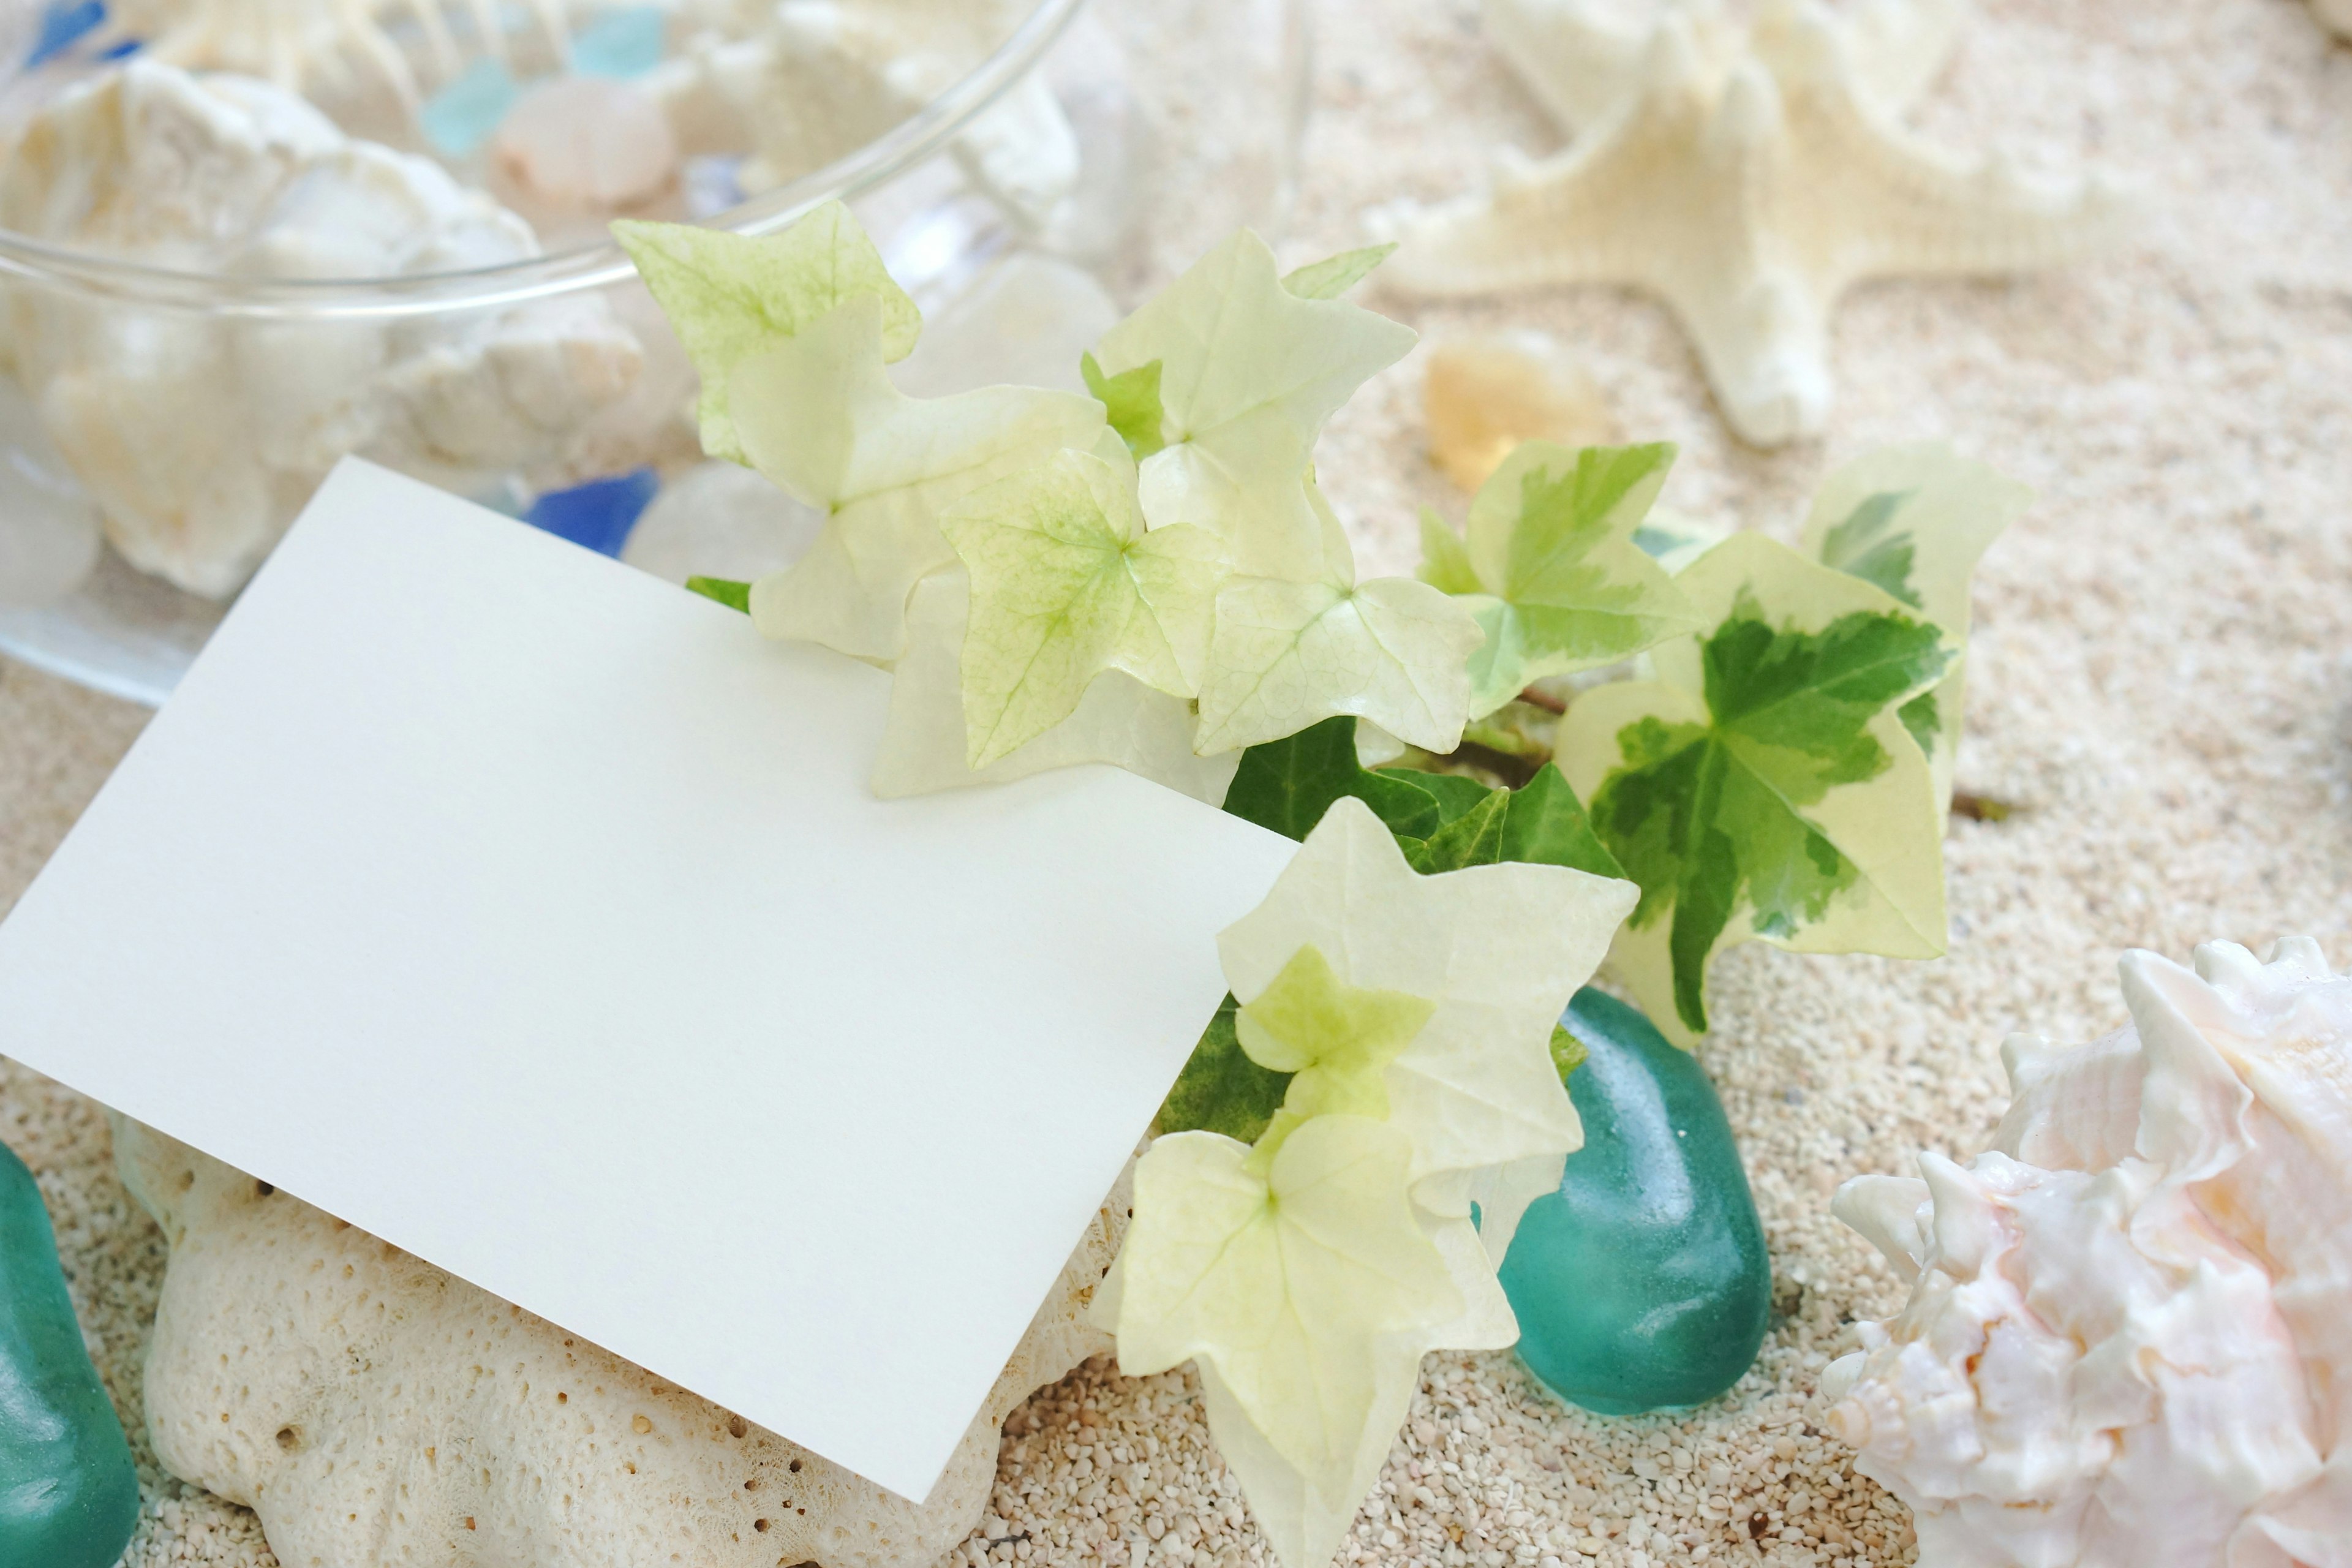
point(621, 43)
point(1642, 1283)
point(123, 50)
point(599, 514)
point(460, 117)
point(64, 23)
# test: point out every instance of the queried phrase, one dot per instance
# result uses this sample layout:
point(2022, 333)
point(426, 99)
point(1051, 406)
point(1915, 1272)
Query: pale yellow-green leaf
point(729, 296)
point(1335, 275)
point(1852, 785)
point(1496, 949)
point(1119, 721)
point(1285, 655)
point(1555, 578)
point(1334, 1038)
point(1066, 584)
point(1914, 520)
point(1249, 372)
point(1311, 1289)
point(818, 416)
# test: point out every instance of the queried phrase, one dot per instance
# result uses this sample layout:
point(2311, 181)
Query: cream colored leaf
point(1066, 584)
point(1249, 372)
point(1498, 950)
point(1118, 720)
point(1285, 655)
point(818, 416)
point(729, 296)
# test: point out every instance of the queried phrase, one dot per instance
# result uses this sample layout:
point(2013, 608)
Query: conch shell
point(2129, 1342)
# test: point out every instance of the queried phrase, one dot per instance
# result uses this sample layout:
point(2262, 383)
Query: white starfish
point(1748, 177)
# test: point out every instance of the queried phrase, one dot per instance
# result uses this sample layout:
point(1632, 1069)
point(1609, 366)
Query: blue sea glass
point(1642, 1283)
point(68, 1491)
point(598, 514)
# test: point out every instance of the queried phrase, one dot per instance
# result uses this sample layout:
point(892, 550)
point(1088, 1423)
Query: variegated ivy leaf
point(1309, 1289)
point(1335, 1039)
point(729, 296)
point(818, 415)
point(1913, 520)
point(1765, 786)
point(1285, 655)
point(1066, 584)
point(1551, 568)
point(1498, 950)
point(1248, 372)
point(1118, 720)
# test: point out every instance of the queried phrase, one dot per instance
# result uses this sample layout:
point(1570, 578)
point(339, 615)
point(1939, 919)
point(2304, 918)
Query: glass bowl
point(163, 419)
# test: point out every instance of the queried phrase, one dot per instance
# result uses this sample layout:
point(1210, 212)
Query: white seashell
point(575, 144)
point(202, 436)
point(2336, 16)
point(2127, 1343)
point(804, 82)
point(1745, 175)
point(291, 43)
point(372, 1409)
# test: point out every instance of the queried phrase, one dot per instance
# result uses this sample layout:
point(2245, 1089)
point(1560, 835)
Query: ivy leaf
point(1066, 584)
point(1287, 653)
point(1474, 838)
point(818, 415)
point(1764, 786)
point(734, 595)
point(1913, 520)
point(1221, 1089)
point(1498, 950)
point(729, 296)
point(1560, 584)
point(1335, 275)
point(1335, 1038)
point(1288, 785)
point(1568, 1052)
point(1310, 1291)
point(1249, 372)
point(1131, 403)
point(1118, 720)
point(1547, 826)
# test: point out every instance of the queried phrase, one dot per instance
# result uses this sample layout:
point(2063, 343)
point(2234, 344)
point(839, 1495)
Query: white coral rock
point(200, 435)
point(375, 1411)
point(2129, 1342)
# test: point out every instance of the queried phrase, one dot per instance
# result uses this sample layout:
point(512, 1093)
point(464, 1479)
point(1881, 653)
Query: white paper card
point(533, 915)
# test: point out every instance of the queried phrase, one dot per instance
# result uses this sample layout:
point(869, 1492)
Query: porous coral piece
point(374, 1410)
point(2125, 1343)
point(202, 435)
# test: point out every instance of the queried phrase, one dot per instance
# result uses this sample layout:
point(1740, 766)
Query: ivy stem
point(1543, 699)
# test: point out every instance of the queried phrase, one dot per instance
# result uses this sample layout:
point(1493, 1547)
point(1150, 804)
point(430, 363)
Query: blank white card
point(533, 915)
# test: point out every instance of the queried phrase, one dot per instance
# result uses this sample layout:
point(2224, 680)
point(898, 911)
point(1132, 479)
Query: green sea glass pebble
point(1642, 1283)
point(69, 1492)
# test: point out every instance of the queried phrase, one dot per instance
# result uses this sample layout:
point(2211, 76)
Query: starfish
point(1748, 177)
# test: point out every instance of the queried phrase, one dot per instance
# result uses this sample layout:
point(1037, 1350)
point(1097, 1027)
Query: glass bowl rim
point(510, 283)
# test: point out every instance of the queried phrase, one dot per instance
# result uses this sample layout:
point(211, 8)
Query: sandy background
point(2159, 679)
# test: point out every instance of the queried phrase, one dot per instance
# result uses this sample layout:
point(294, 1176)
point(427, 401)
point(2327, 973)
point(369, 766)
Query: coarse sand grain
point(2160, 684)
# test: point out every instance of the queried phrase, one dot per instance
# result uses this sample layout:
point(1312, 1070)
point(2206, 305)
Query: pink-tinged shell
point(2129, 1342)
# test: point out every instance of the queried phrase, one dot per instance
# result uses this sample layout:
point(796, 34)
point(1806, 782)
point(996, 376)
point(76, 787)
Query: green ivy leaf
point(1288, 784)
point(1551, 567)
point(1335, 275)
point(1765, 786)
point(1335, 1038)
point(1131, 403)
point(1568, 1052)
point(734, 595)
point(1221, 1089)
point(729, 296)
point(1473, 839)
point(1547, 826)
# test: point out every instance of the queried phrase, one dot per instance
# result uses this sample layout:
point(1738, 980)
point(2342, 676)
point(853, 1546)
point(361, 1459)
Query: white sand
point(2161, 677)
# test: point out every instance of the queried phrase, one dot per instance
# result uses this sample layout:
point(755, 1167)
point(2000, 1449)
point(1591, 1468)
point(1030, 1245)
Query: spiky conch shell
point(2129, 1342)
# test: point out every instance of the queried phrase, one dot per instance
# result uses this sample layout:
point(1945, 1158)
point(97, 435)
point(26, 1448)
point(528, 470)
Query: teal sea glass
point(1642, 1283)
point(68, 1491)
